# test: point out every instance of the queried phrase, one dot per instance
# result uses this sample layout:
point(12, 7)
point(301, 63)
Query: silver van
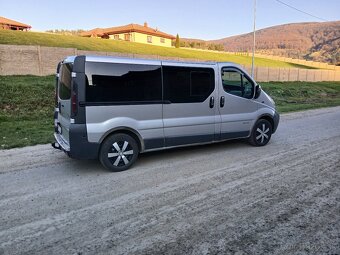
point(115, 108)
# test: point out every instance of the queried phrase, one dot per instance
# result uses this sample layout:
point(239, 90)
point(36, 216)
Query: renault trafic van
point(112, 109)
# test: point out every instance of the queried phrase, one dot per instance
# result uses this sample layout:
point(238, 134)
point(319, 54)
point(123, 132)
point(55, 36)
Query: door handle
point(212, 102)
point(222, 101)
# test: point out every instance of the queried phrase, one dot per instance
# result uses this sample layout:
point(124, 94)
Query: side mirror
point(257, 91)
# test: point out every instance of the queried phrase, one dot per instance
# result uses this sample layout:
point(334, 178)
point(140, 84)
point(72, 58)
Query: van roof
point(114, 59)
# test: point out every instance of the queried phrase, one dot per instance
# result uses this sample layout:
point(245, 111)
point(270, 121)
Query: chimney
point(145, 24)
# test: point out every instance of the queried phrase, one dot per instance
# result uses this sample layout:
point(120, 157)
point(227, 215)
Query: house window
point(127, 37)
point(149, 39)
point(116, 37)
point(162, 40)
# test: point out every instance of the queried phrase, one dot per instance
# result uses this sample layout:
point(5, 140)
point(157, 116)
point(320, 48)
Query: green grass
point(26, 110)
point(94, 44)
point(27, 103)
point(298, 96)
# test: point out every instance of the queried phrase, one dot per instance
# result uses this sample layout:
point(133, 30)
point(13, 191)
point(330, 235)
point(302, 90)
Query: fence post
point(267, 73)
point(39, 61)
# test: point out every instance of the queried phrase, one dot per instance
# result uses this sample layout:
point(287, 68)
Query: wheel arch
point(125, 130)
point(267, 117)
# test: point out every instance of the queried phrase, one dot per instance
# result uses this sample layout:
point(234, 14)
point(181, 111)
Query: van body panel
point(118, 60)
point(238, 114)
point(181, 120)
point(146, 120)
point(189, 64)
point(64, 123)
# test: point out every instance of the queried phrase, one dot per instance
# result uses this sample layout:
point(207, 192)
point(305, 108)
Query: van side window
point(65, 81)
point(187, 84)
point(110, 82)
point(237, 84)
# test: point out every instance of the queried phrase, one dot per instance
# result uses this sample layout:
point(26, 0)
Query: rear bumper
point(276, 120)
point(78, 147)
point(63, 145)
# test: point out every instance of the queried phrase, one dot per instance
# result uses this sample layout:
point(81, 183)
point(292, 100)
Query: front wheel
point(118, 152)
point(261, 133)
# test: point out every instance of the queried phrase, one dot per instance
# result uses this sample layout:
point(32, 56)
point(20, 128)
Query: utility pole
point(252, 59)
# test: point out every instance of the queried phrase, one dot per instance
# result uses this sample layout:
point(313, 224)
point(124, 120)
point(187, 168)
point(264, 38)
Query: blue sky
point(202, 19)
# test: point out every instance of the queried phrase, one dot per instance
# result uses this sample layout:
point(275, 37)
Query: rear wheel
point(118, 152)
point(261, 133)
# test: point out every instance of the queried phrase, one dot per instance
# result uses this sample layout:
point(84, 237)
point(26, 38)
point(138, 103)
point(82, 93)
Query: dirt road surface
point(228, 198)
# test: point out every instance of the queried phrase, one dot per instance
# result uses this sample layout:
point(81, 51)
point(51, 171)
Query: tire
point(118, 152)
point(261, 133)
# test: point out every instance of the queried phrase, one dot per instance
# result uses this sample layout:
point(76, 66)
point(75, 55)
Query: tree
point(177, 43)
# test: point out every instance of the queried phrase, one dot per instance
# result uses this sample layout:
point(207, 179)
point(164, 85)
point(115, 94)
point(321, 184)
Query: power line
point(279, 1)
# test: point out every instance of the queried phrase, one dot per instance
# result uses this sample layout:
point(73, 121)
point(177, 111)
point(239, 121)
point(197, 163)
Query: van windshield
point(65, 79)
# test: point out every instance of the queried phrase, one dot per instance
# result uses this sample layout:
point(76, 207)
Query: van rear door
point(64, 101)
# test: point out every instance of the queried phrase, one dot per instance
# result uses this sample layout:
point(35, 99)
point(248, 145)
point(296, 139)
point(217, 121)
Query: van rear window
point(111, 82)
point(65, 81)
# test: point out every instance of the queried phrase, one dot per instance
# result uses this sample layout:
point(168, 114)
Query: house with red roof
point(133, 33)
point(9, 24)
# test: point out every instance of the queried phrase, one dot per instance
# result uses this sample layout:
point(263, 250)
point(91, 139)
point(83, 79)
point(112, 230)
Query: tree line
point(202, 45)
point(65, 31)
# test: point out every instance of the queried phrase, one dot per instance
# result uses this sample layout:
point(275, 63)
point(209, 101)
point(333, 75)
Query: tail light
point(56, 92)
point(74, 99)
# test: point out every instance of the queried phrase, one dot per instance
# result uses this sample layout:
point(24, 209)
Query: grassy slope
point(26, 108)
point(27, 102)
point(93, 44)
point(298, 96)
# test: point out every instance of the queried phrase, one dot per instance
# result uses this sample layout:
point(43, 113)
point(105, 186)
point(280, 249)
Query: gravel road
point(227, 198)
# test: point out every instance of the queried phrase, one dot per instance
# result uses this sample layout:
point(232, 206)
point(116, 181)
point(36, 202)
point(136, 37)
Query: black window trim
point(82, 103)
point(162, 101)
point(243, 74)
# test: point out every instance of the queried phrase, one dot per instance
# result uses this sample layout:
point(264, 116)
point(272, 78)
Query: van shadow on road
point(150, 159)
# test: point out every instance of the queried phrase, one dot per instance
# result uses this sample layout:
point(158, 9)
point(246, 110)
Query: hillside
point(318, 41)
point(95, 44)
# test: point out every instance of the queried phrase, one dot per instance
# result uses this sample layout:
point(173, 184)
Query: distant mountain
point(318, 41)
